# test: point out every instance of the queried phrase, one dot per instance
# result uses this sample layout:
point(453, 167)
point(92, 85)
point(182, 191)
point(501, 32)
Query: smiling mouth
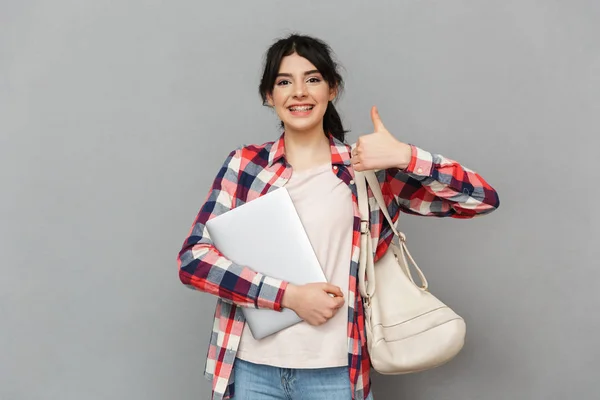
point(300, 108)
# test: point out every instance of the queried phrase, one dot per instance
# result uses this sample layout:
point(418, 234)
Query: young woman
point(325, 356)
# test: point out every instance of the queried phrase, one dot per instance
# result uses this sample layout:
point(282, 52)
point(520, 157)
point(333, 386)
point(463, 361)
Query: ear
point(333, 91)
point(269, 99)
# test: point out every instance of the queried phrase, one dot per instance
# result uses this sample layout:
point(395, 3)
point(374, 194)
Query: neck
point(305, 150)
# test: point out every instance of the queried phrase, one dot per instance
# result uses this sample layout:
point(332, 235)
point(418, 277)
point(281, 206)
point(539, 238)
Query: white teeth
point(302, 108)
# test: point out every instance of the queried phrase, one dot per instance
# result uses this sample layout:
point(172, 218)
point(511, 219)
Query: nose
point(300, 90)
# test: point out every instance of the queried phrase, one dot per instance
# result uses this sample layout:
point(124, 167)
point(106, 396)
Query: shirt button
point(352, 182)
point(420, 170)
point(335, 167)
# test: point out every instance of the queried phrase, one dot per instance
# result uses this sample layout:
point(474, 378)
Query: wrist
point(405, 156)
point(289, 296)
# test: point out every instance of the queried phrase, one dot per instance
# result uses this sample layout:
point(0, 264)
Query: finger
point(376, 118)
point(334, 305)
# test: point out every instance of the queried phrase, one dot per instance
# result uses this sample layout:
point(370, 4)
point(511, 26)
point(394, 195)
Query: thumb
point(329, 288)
point(377, 123)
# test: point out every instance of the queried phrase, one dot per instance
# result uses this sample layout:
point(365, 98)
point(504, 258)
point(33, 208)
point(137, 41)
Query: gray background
point(115, 117)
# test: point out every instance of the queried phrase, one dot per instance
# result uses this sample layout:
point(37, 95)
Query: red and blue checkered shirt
point(431, 185)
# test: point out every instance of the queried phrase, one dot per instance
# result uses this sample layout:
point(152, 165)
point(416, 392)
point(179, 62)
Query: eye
point(314, 79)
point(283, 82)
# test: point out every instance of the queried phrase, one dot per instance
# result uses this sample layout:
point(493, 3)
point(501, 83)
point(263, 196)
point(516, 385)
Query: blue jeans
point(264, 382)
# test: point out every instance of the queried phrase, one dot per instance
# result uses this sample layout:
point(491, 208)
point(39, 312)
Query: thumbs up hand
point(380, 150)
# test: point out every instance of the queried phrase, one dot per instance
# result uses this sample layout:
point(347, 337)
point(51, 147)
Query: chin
point(298, 125)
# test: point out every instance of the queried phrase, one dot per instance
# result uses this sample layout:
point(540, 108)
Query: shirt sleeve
point(433, 185)
point(201, 265)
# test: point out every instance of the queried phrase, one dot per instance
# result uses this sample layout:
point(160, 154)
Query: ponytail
point(332, 123)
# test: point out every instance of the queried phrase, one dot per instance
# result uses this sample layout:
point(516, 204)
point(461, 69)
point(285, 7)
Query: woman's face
point(300, 95)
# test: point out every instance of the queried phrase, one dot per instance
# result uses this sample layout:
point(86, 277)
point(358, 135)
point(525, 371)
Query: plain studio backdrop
point(116, 116)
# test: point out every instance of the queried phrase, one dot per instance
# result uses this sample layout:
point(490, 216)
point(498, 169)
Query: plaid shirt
point(431, 185)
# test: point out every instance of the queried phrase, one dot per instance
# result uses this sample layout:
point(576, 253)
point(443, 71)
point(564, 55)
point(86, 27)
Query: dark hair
point(320, 55)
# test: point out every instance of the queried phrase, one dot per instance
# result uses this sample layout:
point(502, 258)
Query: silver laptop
point(266, 235)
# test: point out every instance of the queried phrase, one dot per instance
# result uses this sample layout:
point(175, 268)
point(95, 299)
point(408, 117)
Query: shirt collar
point(340, 152)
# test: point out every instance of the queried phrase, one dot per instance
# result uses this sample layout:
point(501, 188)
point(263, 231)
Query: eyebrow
point(312, 71)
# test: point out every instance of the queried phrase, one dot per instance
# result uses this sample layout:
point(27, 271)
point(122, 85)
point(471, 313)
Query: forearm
point(433, 185)
point(203, 268)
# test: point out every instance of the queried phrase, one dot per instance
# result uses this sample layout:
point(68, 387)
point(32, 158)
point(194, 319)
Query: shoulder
point(255, 155)
point(256, 150)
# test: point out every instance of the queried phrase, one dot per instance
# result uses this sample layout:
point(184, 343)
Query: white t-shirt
point(324, 204)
